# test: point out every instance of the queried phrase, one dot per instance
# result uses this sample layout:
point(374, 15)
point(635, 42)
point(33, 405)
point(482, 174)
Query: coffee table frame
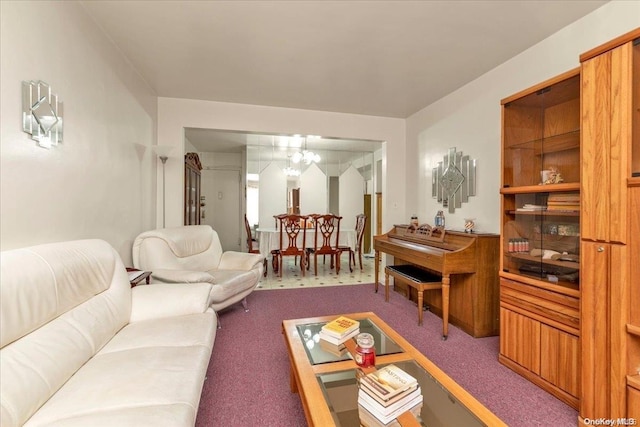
point(303, 374)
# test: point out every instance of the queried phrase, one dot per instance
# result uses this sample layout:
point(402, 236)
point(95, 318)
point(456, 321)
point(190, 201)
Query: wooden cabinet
point(610, 294)
point(540, 264)
point(192, 168)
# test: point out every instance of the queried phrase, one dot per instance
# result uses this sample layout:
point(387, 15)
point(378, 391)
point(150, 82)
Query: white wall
point(100, 182)
point(313, 191)
point(469, 118)
point(176, 114)
point(351, 196)
point(272, 194)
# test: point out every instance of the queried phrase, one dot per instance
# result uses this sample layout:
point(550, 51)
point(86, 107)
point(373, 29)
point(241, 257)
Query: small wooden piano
point(468, 264)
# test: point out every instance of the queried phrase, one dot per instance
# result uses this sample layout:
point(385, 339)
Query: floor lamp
point(162, 151)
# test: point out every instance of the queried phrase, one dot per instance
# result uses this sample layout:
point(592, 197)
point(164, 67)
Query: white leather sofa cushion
point(60, 305)
point(71, 354)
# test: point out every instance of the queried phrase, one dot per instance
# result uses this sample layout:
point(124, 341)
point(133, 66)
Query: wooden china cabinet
point(610, 311)
point(570, 260)
point(192, 168)
point(540, 270)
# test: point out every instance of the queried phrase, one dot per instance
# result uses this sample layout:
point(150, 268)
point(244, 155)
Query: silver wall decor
point(41, 113)
point(454, 180)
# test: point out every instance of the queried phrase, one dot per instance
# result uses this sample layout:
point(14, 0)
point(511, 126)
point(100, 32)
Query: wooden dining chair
point(361, 222)
point(253, 245)
point(290, 227)
point(326, 237)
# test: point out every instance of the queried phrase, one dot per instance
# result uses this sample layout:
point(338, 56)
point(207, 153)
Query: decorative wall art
point(454, 180)
point(41, 113)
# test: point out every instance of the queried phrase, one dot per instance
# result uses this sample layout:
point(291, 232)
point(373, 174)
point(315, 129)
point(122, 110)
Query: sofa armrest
point(231, 260)
point(168, 300)
point(182, 276)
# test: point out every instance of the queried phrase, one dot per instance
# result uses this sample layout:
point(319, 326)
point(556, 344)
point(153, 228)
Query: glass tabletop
point(439, 409)
point(320, 351)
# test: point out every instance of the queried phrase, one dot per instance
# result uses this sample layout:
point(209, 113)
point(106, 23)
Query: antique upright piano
point(468, 262)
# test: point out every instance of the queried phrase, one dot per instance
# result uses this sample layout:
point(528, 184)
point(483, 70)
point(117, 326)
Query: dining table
point(269, 238)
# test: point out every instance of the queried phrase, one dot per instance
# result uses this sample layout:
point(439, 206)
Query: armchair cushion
point(239, 261)
point(182, 276)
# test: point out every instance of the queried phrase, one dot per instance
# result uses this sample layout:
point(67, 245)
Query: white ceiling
point(382, 58)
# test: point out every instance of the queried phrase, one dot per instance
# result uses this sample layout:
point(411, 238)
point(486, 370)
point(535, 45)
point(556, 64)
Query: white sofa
point(79, 347)
point(193, 253)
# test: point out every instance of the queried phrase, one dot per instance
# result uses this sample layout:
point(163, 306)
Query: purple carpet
point(248, 377)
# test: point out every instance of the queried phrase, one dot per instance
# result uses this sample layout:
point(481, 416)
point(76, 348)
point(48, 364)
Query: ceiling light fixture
point(305, 155)
point(289, 171)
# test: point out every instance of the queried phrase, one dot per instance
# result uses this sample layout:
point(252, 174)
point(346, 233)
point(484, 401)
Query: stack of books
point(386, 394)
point(568, 202)
point(335, 349)
point(339, 330)
point(528, 207)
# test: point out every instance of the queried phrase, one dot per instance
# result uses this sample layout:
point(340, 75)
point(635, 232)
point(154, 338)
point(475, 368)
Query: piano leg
point(377, 270)
point(386, 285)
point(445, 306)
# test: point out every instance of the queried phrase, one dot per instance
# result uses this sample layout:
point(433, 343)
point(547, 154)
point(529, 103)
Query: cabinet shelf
point(552, 144)
point(548, 188)
point(534, 259)
point(546, 213)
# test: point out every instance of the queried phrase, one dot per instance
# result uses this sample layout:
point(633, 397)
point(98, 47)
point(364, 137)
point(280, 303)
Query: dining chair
point(253, 245)
point(290, 228)
point(325, 240)
point(361, 222)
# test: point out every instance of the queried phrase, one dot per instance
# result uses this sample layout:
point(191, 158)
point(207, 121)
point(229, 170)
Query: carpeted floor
point(248, 377)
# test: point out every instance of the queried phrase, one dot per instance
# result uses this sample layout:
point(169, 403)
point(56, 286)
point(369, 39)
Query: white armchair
point(192, 254)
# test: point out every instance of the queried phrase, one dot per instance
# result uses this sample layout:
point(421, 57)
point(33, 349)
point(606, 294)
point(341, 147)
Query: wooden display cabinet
point(192, 168)
point(540, 235)
point(610, 312)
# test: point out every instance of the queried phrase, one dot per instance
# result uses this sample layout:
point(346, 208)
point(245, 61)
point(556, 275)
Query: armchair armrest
point(182, 276)
point(169, 300)
point(231, 260)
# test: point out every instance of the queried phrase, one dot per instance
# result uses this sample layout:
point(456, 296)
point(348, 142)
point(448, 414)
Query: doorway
point(222, 210)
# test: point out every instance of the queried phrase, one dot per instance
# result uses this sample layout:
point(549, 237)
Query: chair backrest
point(291, 226)
point(361, 223)
point(189, 247)
point(327, 232)
point(250, 240)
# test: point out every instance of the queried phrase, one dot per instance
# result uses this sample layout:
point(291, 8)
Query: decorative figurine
point(469, 225)
point(554, 176)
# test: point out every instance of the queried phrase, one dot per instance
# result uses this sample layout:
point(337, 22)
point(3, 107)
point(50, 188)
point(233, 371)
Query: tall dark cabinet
point(192, 168)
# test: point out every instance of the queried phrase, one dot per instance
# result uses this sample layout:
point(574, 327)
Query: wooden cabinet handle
point(600, 249)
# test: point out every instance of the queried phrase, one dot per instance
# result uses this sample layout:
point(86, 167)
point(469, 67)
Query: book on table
point(388, 382)
point(370, 417)
point(335, 349)
point(387, 408)
point(340, 327)
point(337, 341)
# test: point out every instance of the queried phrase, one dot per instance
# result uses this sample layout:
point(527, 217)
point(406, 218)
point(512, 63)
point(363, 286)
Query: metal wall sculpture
point(41, 113)
point(454, 180)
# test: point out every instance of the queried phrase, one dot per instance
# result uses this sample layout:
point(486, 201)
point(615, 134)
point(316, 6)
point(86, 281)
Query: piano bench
point(421, 280)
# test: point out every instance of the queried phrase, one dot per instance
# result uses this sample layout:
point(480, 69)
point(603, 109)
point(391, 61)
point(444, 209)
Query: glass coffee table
point(327, 380)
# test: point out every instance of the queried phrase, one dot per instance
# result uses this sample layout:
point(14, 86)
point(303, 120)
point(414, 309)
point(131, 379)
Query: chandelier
point(305, 156)
point(289, 171)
